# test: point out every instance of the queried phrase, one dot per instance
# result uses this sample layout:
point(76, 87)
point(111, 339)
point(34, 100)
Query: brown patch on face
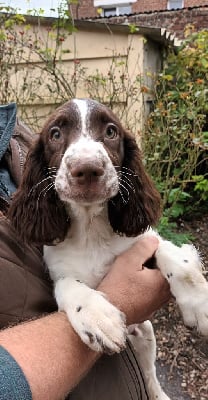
point(104, 126)
point(66, 120)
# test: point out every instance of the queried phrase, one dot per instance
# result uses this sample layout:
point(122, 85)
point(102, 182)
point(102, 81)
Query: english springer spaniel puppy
point(85, 195)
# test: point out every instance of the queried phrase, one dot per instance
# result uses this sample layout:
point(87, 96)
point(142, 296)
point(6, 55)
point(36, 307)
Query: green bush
point(175, 142)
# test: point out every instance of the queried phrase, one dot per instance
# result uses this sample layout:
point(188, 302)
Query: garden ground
point(182, 352)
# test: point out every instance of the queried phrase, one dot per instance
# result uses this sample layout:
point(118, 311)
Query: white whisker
point(122, 195)
point(130, 185)
point(126, 173)
point(39, 183)
point(123, 186)
point(130, 170)
point(45, 190)
point(48, 188)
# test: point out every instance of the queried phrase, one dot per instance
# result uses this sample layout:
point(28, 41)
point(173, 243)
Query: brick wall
point(86, 9)
point(158, 5)
point(145, 6)
point(173, 21)
point(147, 14)
point(195, 3)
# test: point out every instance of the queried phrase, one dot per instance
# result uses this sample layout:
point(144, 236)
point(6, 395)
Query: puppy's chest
point(85, 257)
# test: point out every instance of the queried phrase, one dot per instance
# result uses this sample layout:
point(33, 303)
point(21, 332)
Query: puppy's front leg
point(182, 267)
point(98, 323)
point(144, 342)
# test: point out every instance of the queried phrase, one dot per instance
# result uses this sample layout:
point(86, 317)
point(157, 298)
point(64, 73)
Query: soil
point(182, 354)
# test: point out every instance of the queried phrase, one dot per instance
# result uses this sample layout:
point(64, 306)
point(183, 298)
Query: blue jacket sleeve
point(13, 383)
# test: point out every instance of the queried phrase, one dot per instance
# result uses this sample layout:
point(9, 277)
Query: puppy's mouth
point(87, 191)
point(90, 194)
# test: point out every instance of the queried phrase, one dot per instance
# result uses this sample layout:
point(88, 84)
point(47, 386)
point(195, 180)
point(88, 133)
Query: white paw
point(195, 310)
point(99, 324)
point(182, 267)
point(159, 396)
point(143, 339)
point(181, 261)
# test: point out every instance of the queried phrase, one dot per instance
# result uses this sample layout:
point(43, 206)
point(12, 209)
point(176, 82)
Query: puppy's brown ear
point(36, 211)
point(137, 205)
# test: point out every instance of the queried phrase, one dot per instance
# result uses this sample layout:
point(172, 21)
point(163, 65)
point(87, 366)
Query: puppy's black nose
point(87, 172)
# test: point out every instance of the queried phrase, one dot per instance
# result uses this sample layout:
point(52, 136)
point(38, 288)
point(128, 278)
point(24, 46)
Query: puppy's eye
point(55, 133)
point(111, 132)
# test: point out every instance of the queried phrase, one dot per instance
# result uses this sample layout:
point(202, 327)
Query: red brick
point(86, 9)
point(155, 14)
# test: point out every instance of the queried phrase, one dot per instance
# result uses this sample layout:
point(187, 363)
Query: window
point(112, 3)
point(107, 12)
point(174, 4)
point(124, 10)
point(114, 7)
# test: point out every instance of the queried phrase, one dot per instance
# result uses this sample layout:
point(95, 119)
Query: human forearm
point(51, 355)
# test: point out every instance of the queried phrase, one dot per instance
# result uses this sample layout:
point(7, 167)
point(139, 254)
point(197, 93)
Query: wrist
point(119, 297)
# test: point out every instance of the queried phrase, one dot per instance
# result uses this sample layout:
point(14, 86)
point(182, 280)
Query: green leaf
point(168, 77)
point(133, 28)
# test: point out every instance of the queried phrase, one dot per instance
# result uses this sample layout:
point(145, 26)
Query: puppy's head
point(83, 156)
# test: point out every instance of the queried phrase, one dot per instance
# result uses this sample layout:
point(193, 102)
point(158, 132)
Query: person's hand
point(133, 288)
